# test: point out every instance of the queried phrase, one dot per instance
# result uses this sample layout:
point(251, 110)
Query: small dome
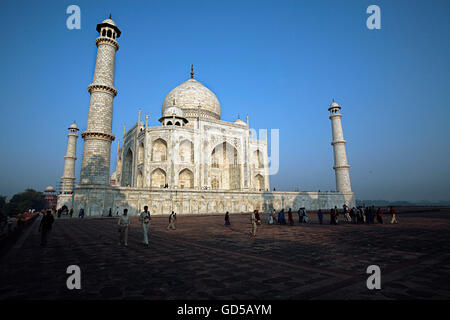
point(173, 111)
point(73, 126)
point(334, 105)
point(192, 95)
point(109, 21)
point(240, 122)
point(49, 189)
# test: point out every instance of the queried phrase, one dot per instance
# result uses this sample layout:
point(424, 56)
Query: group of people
point(353, 215)
point(144, 218)
point(361, 215)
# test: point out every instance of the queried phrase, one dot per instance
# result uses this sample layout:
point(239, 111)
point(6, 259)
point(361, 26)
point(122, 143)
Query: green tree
point(21, 202)
point(2, 206)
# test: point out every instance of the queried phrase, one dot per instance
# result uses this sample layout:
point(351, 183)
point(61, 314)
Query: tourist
point(299, 213)
point(110, 212)
point(59, 213)
point(320, 216)
point(117, 211)
point(124, 222)
point(227, 219)
point(45, 227)
point(305, 216)
point(81, 213)
point(333, 219)
point(379, 216)
point(336, 214)
point(145, 218)
point(291, 220)
point(281, 219)
point(274, 215)
point(347, 213)
point(172, 218)
point(71, 212)
point(353, 215)
point(394, 216)
point(270, 218)
point(253, 221)
point(363, 215)
point(258, 218)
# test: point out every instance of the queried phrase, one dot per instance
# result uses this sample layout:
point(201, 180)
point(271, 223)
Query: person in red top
point(394, 216)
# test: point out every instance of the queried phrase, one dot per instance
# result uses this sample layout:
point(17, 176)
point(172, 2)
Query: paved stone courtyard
point(204, 260)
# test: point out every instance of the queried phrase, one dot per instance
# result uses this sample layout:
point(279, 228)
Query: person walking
point(281, 219)
point(145, 218)
point(320, 216)
point(124, 222)
point(394, 216)
point(305, 216)
point(299, 213)
point(379, 216)
point(274, 216)
point(172, 218)
point(46, 226)
point(110, 212)
point(290, 218)
point(227, 220)
point(270, 218)
point(71, 212)
point(254, 220)
point(333, 219)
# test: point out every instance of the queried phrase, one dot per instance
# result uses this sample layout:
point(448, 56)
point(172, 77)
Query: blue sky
point(280, 62)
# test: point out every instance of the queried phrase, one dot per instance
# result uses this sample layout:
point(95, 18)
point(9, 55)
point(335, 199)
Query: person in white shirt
point(172, 218)
point(144, 218)
point(124, 222)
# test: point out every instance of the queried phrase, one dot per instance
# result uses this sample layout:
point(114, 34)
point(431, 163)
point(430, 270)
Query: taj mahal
point(192, 163)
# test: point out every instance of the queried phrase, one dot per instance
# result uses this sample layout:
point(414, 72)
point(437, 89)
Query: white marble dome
point(173, 111)
point(190, 95)
point(49, 189)
point(109, 21)
point(240, 122)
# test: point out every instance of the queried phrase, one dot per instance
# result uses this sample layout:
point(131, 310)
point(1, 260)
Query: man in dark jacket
point(46, 226)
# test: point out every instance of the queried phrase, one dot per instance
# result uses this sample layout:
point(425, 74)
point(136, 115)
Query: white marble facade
point(192, 148)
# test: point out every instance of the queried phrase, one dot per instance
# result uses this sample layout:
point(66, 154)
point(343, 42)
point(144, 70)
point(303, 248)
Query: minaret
point(340, 156)
point(68, 177)
point(98, 135)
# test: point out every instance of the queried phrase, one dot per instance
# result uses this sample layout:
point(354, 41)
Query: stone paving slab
point(204, 260)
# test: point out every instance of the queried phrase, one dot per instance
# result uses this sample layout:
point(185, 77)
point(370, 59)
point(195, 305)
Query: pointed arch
point(140, 179)
point(258, 160)
point(141, 153)
point(259, 182)
point(127, 172)
point(159, 150)
point(186, 151)
point(186, 179)
point(158, 178)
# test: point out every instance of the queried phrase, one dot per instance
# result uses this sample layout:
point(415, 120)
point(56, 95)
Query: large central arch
point(225, 169)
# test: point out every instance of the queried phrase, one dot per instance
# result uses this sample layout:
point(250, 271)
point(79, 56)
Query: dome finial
point(110, 15)
point(192, 71)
